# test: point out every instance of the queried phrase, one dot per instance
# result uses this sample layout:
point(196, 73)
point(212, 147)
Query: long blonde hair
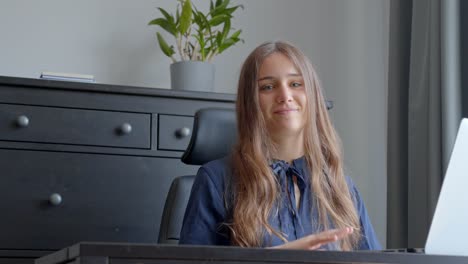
point(256, 188)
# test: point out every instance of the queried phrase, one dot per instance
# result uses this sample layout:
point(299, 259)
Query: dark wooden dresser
point(88, 162)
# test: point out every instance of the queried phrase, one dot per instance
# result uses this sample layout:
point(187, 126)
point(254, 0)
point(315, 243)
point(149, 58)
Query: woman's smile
point(286, 111)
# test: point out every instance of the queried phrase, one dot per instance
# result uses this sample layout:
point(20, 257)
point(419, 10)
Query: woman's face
point(282, 96)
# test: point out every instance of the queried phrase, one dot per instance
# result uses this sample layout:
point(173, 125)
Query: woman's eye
point(266, 87)
point(296, 84)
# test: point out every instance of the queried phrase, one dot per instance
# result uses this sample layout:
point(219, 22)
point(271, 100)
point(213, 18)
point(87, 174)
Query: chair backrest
point(174, 209)
point(213, 136)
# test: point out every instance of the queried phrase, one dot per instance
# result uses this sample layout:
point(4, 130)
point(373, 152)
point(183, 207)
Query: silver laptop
point(448, 234)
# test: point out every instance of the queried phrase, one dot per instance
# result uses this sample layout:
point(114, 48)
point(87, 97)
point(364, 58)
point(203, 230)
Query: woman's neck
point(289, 147)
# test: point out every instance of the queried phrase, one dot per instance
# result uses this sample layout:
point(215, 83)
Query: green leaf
point(210, 39)
point(206, 28)
point(201, 41)
point(177, 16)
point(204, 21)
point(185, 17)
point(157, 21)
point(227, 28)
point(211, 5)
point(219, 19)
point(218, 2)
point(168, 51)
point(228, 43)
point(166, 25)
point(219, 38)
point(196, 18)
point(231, 10)
point(236, 34)
point(168, 17)
point(219, 8)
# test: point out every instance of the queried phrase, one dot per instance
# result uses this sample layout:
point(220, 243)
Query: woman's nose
point(283, 94)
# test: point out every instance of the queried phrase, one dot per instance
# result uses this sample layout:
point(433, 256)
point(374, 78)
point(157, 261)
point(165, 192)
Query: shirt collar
point(297, 167)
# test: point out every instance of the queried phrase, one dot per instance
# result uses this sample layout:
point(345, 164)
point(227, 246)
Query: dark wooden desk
point(10, 256)
point(123, 253)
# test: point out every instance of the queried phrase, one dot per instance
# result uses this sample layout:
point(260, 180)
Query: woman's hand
point(315, 241)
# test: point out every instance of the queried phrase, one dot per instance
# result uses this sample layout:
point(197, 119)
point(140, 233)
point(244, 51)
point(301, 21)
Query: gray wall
point(345, 39)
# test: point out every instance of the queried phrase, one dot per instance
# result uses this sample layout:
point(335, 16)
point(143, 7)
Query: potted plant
point(199, 37)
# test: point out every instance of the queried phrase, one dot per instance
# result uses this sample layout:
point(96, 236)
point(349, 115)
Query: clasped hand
point(315, 241)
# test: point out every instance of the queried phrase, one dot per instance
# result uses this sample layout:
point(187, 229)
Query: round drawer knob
point(183, 132)
point(126, 128)
point(22, 121)
point(55, 199)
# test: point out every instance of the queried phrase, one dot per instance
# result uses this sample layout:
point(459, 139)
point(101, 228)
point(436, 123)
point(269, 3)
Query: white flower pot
point(193, 75)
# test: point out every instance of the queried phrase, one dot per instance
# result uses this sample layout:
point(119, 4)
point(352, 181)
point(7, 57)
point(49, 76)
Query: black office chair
point(213, 136)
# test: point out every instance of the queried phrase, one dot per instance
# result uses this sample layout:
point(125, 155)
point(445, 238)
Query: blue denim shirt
point(207, 209)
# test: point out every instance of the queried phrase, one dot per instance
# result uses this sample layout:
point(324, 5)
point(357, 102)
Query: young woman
point(283, 185)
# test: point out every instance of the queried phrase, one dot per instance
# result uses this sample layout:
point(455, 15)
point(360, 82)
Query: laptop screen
point(448, 234)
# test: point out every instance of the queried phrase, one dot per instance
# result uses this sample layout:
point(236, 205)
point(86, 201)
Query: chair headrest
point(213, 136)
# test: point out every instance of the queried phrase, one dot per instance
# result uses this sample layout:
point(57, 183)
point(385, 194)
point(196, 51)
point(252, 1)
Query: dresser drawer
point(174, 132)
point(74, 126)
point(103, 198)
